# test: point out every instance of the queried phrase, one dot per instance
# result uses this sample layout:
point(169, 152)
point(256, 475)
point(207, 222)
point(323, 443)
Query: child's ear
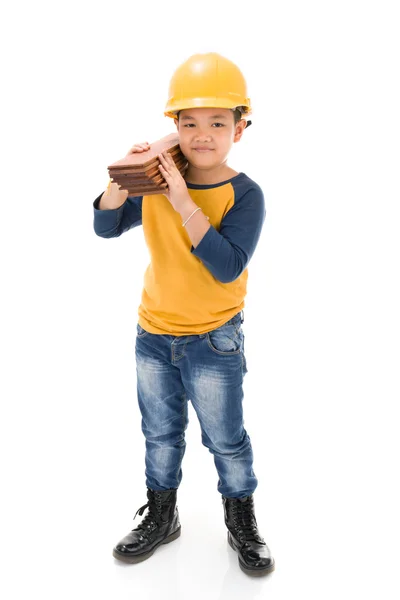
point(176, 123)
point(240, 127)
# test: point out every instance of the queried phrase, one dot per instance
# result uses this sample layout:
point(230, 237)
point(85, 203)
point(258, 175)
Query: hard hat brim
point(174, 107)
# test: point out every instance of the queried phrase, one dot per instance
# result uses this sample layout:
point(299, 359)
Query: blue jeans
point(208, 369)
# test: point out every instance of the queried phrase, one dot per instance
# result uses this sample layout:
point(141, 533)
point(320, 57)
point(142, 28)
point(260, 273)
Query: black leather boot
point(254, 555)
point(160, 526)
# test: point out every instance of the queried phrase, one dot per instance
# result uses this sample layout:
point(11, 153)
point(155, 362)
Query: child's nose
point(202, 135)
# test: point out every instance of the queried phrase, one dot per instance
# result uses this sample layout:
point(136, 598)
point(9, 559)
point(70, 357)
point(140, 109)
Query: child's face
point(206, 135)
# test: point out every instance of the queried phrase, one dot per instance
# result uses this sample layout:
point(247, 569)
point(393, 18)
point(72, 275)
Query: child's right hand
point(143, 147)
point(114, 197)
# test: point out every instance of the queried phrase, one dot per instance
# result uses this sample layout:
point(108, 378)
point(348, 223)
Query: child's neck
point(208, 177)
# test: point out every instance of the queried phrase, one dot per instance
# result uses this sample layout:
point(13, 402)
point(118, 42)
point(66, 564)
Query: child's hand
point(114, 197)
point(143, 147)
point(177, 192)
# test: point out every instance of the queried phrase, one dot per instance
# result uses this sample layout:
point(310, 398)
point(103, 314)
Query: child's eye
point(192, 124)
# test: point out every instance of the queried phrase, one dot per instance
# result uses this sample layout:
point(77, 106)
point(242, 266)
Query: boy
point(201, 234)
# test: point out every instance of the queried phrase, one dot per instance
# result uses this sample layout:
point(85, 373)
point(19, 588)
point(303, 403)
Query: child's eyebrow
point(187, 117)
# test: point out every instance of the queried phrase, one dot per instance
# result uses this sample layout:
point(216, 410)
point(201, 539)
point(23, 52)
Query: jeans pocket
point(140, 331)
point(227, 339)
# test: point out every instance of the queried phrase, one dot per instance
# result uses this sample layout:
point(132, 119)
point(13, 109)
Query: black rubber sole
point(246, 569)
point(140, 557)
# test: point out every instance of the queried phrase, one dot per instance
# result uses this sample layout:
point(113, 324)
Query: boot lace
point(153, 517)
point(245, 521)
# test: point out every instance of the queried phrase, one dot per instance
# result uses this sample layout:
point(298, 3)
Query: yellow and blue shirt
point(187, 290)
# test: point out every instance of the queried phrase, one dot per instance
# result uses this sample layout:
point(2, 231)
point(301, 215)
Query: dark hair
point(237, 115)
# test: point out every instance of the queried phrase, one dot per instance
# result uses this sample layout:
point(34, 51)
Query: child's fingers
point(168, 158)
point(139, 148)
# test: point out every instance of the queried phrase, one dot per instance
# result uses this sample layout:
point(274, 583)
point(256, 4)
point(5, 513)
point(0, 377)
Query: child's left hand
point(177, 192)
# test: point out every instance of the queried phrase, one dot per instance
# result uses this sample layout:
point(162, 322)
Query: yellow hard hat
point(207, 81)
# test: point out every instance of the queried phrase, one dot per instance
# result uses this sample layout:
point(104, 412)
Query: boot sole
point(140, 557)
point(246, 569)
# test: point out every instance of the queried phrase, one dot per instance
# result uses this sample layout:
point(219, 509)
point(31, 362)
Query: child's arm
point(113, 221)
point(227, 252)
point(114, 211)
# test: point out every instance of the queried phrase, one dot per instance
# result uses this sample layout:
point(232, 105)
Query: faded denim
point(208, 370)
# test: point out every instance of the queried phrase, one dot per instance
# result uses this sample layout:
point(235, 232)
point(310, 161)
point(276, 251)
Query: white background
point(82, 82)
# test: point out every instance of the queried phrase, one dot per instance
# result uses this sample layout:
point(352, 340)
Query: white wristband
point(199, 208)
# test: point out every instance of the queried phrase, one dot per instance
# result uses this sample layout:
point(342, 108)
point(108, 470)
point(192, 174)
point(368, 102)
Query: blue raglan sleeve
point(228, 252)
point(114, 222)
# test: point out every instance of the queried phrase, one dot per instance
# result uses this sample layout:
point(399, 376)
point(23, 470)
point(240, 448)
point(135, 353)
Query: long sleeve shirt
point(187, 290)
